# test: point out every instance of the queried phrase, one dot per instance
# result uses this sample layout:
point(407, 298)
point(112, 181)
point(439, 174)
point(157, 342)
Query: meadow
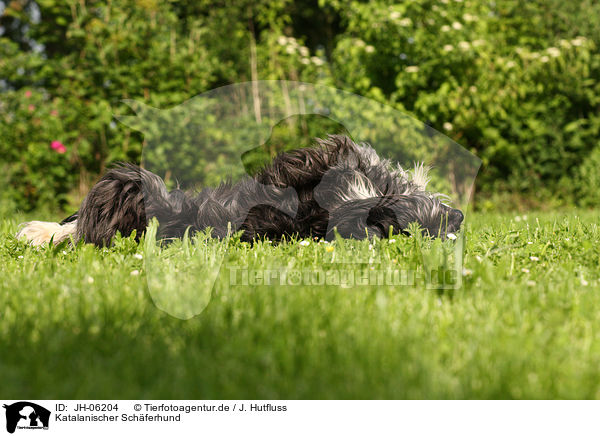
point(83, 322)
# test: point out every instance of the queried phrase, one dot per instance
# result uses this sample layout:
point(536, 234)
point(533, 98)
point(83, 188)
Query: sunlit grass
point(82, 322)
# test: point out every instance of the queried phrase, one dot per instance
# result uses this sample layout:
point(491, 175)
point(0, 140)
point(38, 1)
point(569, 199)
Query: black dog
point(310, 192)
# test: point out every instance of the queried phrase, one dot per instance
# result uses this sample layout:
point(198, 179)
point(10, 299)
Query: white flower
point(468, 18)
point(544, 59)
point(290, 49)
point(391, 241)
point(564, 43)
point(517, 218)
point(395, 15)
point(479, 258)
point(445, 28)
point(464, 45)
point(529, 243)
point(135, 272)
point(525, 270)
point(451, 236)
point(305, 61)
point(456, 25)
point(448, 47)
point(412, 69)
point(369, 49)
point(511, 64)
point(534, 258)
point(478, 42)
point(584, 282)
point(553, 51)
point(567, 239)
point(467, 272)
point(448, 126)
point(317, 61)
point(89, 279)
point(370, 246)
point(578, 42)
point(282, 40)
point(138, 256)
point(524, 217)
point(405, 22)
point(530, 283)
point(303, 51)
point(473, 89)
point(20, 257)
point(304, 243)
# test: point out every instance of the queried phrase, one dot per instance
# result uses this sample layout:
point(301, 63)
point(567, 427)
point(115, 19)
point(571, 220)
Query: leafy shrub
point(522, 96)
point(515, 83)
point(589, 179)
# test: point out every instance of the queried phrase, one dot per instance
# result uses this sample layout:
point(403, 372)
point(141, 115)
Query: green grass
point(76, 323)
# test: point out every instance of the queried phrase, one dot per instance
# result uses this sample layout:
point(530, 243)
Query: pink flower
point(58, 147)
point(31, 108)
point(27, 94)
point(54, 112)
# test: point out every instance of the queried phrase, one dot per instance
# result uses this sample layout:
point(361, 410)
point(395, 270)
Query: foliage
point(515, 83)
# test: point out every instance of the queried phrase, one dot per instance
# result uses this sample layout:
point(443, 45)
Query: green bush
point(518, 85)
point(515, 83)
point(589, 179)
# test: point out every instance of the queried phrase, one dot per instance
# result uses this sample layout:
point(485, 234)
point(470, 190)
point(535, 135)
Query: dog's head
point(367, 195)
point(379, 215)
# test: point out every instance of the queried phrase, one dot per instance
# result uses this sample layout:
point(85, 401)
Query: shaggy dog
point(310, 192)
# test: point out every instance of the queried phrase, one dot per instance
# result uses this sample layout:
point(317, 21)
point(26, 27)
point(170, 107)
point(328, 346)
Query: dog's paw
point(41, 232)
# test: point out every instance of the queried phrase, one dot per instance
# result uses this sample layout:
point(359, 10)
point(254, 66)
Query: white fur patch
point(419, 175)
point(361, 188)
point(41, 232)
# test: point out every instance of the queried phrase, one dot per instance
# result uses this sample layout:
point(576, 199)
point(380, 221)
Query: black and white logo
point(27, 416)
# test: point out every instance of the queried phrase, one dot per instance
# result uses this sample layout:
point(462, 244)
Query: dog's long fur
point(309, 192)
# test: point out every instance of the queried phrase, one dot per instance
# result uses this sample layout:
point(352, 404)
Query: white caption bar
point(23, 417)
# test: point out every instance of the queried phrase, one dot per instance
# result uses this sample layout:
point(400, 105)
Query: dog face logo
point(26, 415)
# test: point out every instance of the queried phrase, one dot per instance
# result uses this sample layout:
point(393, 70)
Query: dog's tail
point(41, 232)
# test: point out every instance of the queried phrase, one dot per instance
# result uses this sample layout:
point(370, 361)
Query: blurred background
point(516, 83)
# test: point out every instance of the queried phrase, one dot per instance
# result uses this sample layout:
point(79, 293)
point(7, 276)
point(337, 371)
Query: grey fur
point(308, 192)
